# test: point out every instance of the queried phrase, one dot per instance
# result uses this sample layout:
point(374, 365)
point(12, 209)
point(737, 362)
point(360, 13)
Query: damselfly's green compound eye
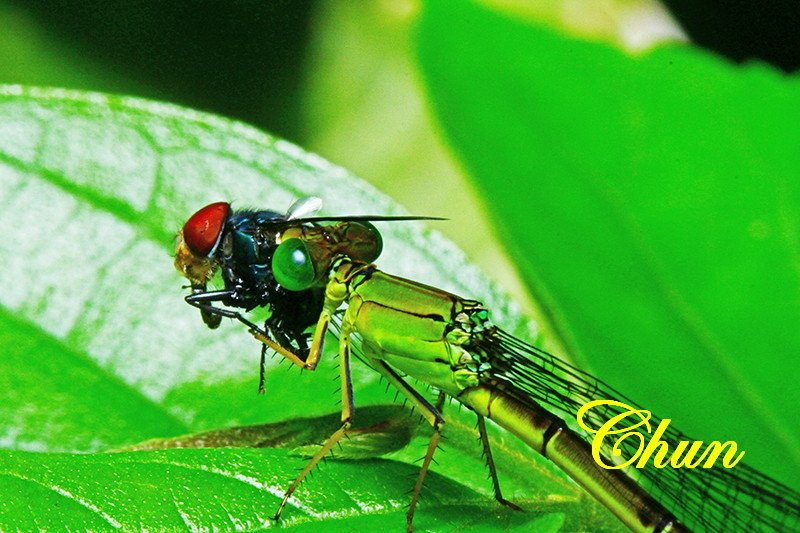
point(292, 265)
point(377, 242)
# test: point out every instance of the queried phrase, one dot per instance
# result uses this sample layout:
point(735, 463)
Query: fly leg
point(201, 298)
point(212, 315)
point(347, 416)
point(204, 302)
point(431, 414)
point(487, 454)
point(262, 369)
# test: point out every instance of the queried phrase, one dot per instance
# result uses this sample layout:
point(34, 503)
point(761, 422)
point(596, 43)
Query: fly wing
point(706, 499)
point(304, 207)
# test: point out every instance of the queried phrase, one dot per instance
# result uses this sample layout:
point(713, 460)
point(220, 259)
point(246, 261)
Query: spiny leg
point(262, 337)
point(320, 331)
point(440, 402)
point(347, 415)
point(487, 454)
point(432, 415)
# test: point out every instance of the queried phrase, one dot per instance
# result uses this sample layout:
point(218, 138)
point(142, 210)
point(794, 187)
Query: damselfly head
point(198, 240)
point(305, 254)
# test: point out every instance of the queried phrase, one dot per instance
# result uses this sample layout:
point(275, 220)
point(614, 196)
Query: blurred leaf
point(30, 54)
point(103, 352)
point(651, 202)
point(246, 64)
point(376, 122)
point(633, 25)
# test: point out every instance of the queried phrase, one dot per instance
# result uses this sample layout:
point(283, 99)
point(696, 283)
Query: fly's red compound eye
point(202, 231)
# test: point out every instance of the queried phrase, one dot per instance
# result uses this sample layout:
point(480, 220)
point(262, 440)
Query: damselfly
point(313, 273)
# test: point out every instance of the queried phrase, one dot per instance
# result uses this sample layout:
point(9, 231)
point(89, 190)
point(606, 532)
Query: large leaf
point(100, 352)
point(652, 201)
point(227, 489)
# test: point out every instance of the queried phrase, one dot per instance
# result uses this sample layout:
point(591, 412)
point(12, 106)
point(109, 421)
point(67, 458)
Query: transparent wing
point(705, 499)
point(304, 207)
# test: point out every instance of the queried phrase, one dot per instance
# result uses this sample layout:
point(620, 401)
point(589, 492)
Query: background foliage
point(646, 198)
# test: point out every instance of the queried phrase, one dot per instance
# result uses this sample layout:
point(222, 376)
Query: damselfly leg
point(487, 455)
point(430, 414)
point(347, 413)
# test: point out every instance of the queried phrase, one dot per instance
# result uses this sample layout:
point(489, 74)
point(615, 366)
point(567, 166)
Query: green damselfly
point(316, 274)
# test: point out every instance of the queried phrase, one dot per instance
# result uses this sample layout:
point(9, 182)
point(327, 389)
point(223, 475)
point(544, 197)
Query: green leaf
point(100, 351)
point(231, 489)
point(651, 201)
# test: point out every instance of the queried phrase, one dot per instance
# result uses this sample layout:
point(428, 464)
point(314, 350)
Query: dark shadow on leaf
point(381, 429)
